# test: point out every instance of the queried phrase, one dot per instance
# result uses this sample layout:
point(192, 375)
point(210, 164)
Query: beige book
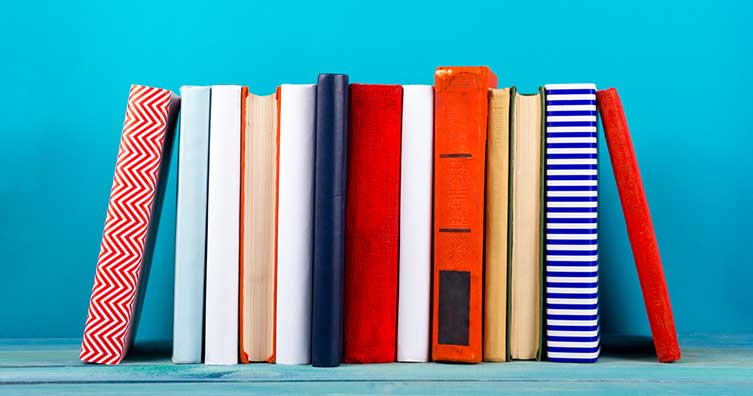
point(495, 251)
point(259, 226)
point(525, 226)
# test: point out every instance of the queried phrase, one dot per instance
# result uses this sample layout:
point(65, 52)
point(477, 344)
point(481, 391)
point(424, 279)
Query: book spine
point(372, 223)
point(495, 275)
point(295, 223)
point(223, 225)
point(460, 110)
point(414, 294)
point(639, 226)
point(329, 218)
point(120, 266)
point(190, 225)
point(572, 314)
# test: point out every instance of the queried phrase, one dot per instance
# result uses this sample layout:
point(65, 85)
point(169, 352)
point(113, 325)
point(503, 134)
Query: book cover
point(495, 253)
point(525, 250)
point(372, 223)
point(639, 226)
point(295, 223)
point(572, 314)
point(190, 224)
point(258, 229)
point(227, 126)
point(124, 257)
point(460, 121)
point(416, 177)
point(329, 219)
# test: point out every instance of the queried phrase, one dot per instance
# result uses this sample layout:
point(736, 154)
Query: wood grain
point(711, 365)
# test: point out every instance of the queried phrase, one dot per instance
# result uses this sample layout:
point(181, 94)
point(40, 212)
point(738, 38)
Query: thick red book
point(372, 222)
point(639, 227)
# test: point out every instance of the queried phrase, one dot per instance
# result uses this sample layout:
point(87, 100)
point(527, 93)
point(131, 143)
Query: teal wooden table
point(711, 364)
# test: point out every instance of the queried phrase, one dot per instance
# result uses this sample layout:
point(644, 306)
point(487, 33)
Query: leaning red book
point(113, 308)
point(639, 227)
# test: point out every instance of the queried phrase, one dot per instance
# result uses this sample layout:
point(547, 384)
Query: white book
point(223, 226)
point(295, 223)
point(190, 225)
point(414, 301)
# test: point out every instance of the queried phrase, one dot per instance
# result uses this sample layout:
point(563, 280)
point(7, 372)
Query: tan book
point(259, 229)
point(525, 255)
point(495, 250)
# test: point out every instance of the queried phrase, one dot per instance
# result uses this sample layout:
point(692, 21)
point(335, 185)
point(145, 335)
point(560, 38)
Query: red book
point(372, 221)
point(123, 255)
point(639, 227)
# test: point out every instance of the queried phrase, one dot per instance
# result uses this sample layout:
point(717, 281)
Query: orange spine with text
point(460, 121)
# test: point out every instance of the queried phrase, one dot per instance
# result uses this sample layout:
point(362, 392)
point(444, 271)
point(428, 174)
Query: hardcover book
point(416, 165)
point(372, 223)
point(191, 225)
point(495, 276)
point(227, 126)
point(639, 226)
point(330, 177)
point(295, 223)
point(125, 252)
point(572, 314)
point(460, 121)
point(525, 228)
point(258, 229)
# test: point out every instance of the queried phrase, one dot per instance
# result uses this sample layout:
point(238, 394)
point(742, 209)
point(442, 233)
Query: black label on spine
point(454, 307)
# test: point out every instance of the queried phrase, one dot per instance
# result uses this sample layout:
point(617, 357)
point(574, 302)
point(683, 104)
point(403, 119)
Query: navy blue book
point(329, 219)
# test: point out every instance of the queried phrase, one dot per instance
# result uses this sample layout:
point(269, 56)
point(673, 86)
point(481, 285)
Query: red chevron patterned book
point(372, 222)
point(124, 254)
point(639, 227)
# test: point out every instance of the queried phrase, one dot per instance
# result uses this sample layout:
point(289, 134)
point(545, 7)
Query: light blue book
point(190, 227)
point(572, 264)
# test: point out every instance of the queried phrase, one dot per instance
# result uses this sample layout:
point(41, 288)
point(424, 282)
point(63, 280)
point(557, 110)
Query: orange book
point(242, 250)
point(259, 229)
point(460, 120)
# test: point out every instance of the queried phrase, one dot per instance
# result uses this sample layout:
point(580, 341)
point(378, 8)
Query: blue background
point(683, 69)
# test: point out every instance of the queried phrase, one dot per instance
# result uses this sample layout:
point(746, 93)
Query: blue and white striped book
point(572, 313)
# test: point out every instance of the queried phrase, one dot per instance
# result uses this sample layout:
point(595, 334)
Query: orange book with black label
point(460, 121)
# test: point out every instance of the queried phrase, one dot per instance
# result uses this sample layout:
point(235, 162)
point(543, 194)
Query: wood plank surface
point(711, 364)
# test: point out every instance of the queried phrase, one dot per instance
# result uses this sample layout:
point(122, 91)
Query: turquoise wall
point(683, 69)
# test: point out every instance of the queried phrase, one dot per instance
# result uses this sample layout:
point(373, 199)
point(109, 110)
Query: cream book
point(525, 258)
point(258, 229)
point(295, 223)
point(495, 249)
point(223, 224)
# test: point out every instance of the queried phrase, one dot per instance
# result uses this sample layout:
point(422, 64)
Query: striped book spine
point(572, 320)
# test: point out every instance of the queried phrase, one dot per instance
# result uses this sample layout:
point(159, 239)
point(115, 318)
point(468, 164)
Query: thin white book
point(223, 226)
point(190, 224)
point(295, 223)
point(414, 301)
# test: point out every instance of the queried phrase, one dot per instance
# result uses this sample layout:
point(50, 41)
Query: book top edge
point(571, 86)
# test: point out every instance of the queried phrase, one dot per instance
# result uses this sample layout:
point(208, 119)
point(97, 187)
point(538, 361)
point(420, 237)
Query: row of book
point(363, 223)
